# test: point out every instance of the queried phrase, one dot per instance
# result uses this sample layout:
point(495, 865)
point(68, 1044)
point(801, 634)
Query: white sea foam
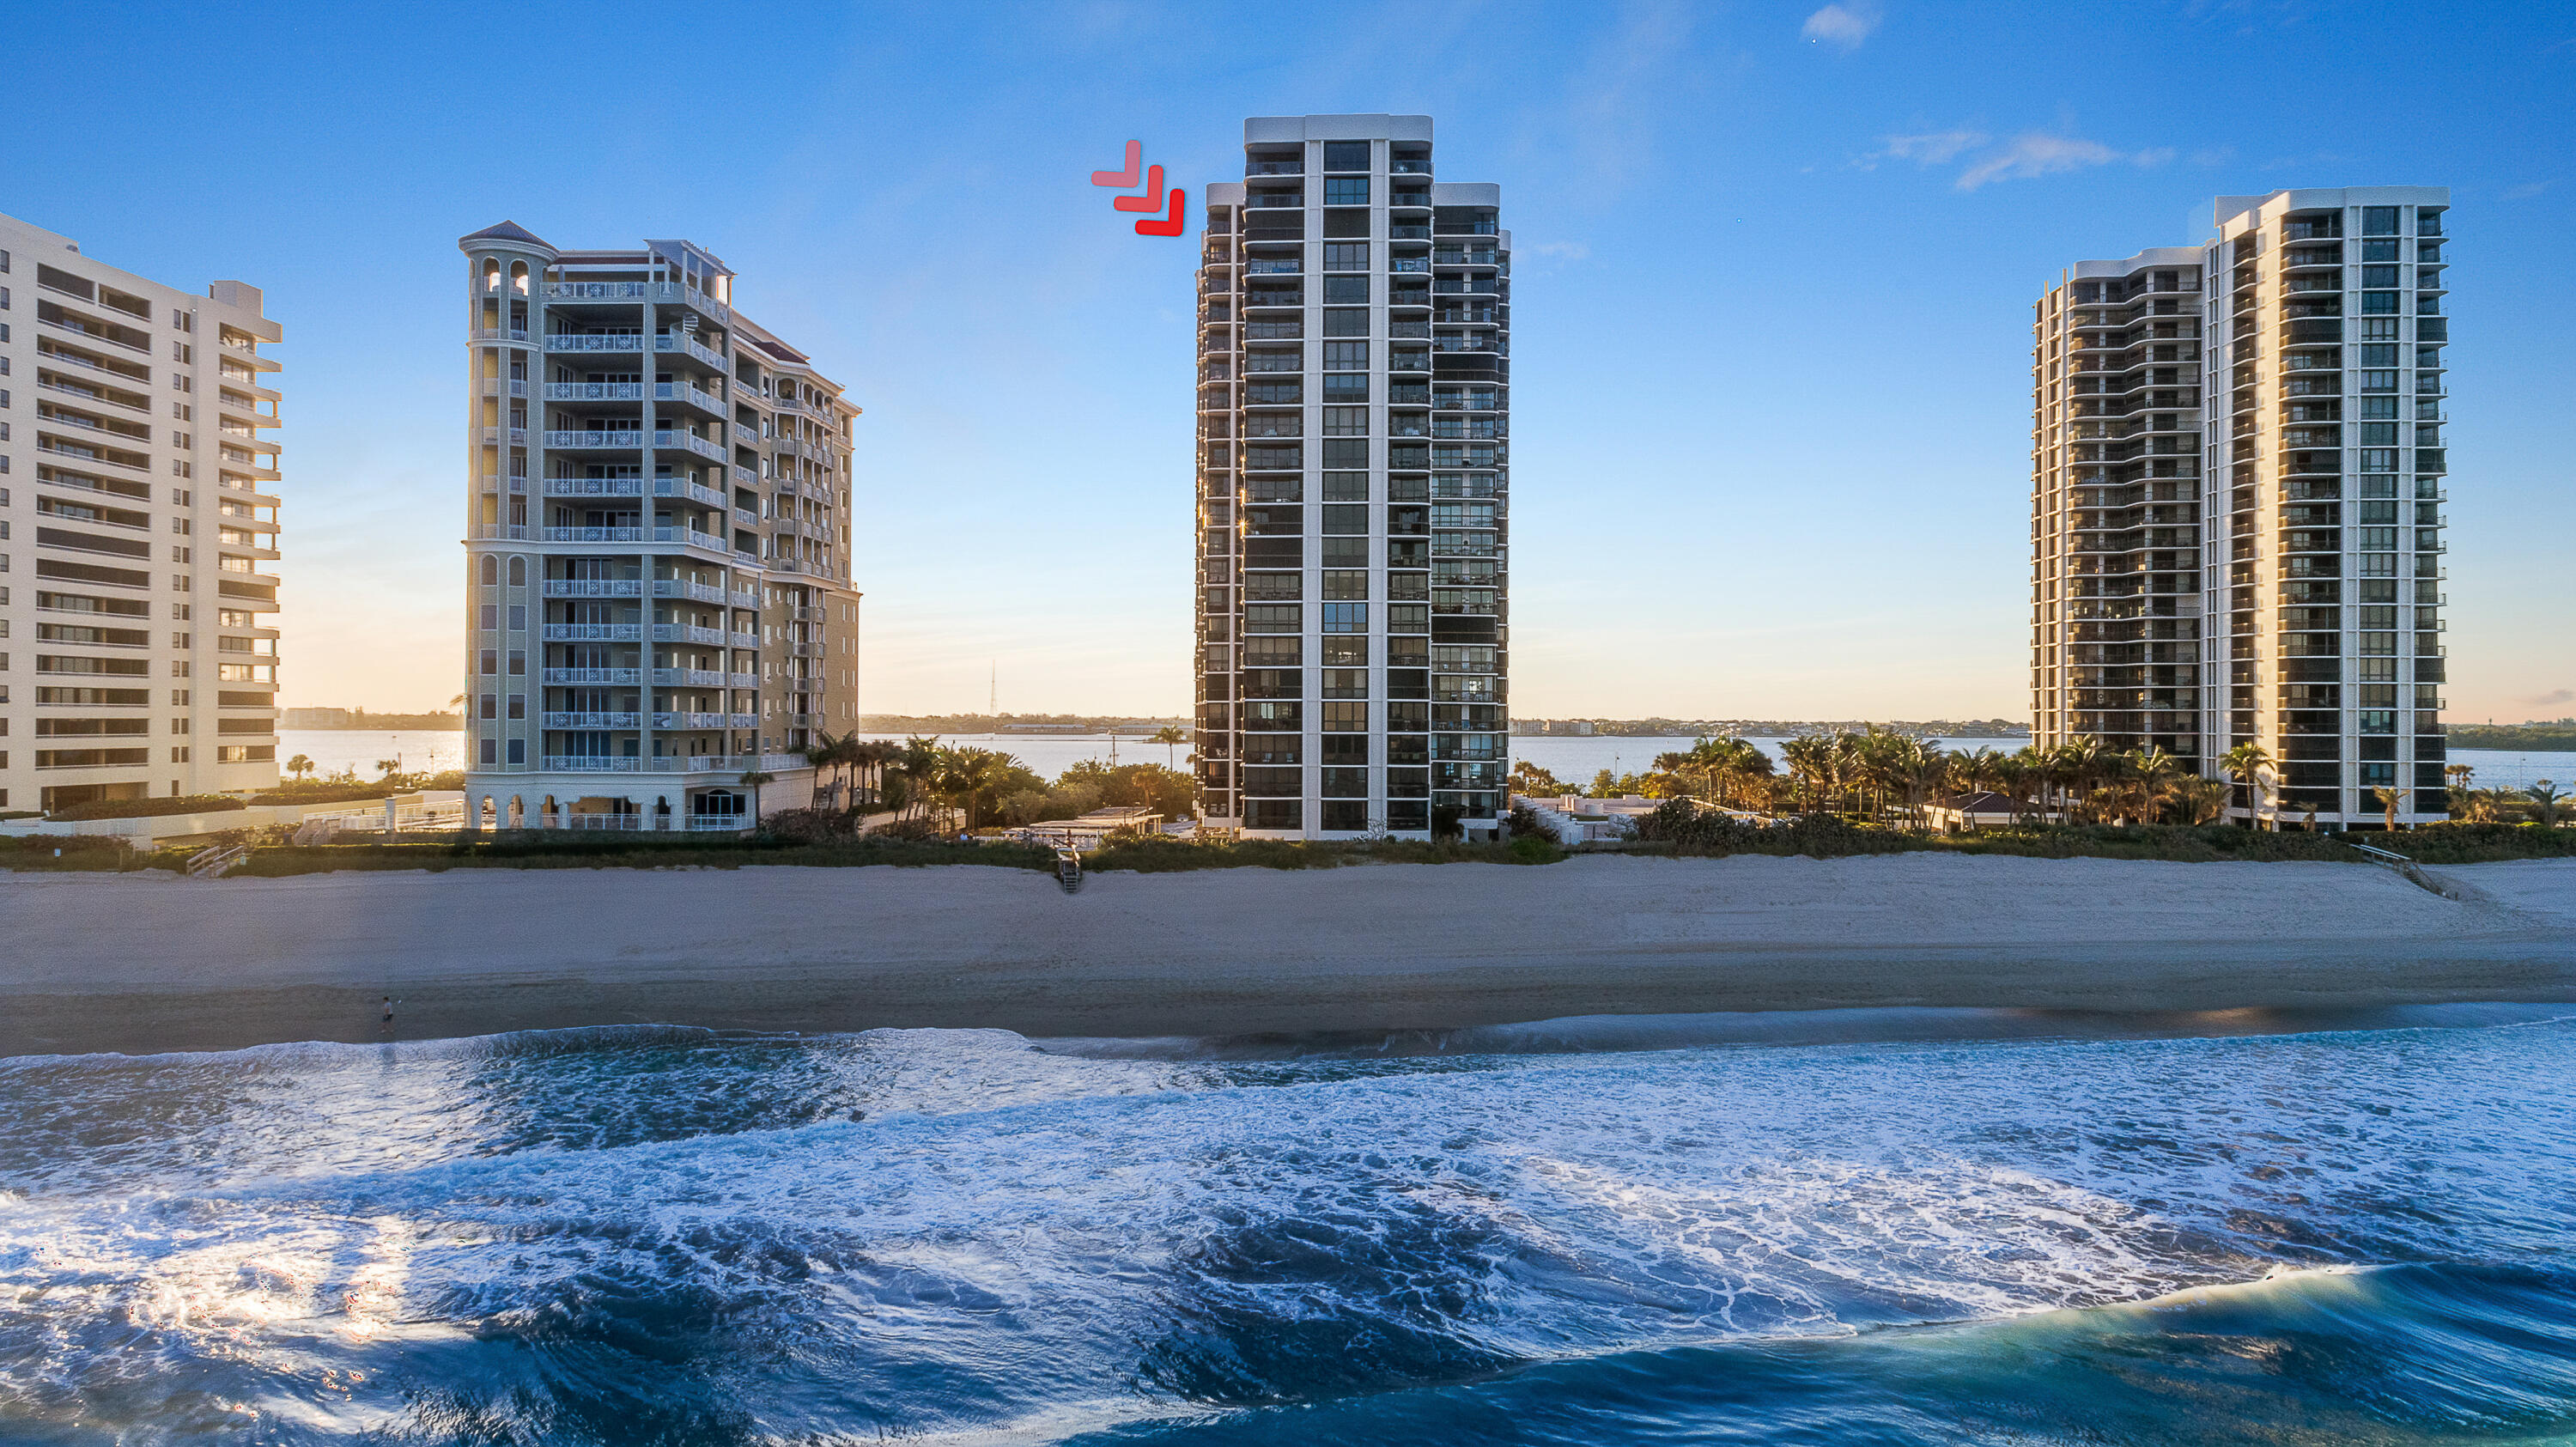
point(1033, 1224)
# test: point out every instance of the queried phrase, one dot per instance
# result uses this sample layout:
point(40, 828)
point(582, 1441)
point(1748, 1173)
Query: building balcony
point(685, 633)
point(573, 677)
point(703, 678)
point(591, 341)
point(679, 440)
point(686, 537)
point(594, 441)
point(594, 391)
point(589, 720)
point(689, 347)
point(676, 721)
point(594, 632)
point(593, 588)
point(685, 395)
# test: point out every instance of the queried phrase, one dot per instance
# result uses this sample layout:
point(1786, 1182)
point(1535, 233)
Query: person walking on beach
point(388, 1026)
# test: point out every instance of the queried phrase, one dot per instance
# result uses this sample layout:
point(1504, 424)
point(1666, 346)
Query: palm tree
point(1171, 739)
point(2247, 761)
point(386, 767)
point(2546, 795)
point(299, 766)
point(2459, 776)
point(966, 776)
point(2151, 773)
point(2389, 799)
point(822, 750)
point(2079, 762)
point(752, 779)
point(2202, 800)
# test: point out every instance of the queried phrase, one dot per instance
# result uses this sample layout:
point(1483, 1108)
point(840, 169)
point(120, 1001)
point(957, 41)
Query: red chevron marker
point(1135, 160)
point(1169, 225)
point(1152, 200)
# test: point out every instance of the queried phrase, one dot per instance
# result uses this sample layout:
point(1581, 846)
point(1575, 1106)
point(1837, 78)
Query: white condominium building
point(2312, 514)
point(1354, 401)
point(138, 522)
point(658, 599)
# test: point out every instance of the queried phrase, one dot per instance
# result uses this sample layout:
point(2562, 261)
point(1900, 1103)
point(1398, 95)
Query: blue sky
point(1771, 318)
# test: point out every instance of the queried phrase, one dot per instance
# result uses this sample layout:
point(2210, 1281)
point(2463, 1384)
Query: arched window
point(491, 569)
point(518, 572)
point(519, 277)
point(491, 273)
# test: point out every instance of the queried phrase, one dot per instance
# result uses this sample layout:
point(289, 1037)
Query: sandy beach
point(137, 963)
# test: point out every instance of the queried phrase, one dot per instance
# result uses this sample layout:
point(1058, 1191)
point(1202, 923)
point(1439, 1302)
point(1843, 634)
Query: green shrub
point(147, 808)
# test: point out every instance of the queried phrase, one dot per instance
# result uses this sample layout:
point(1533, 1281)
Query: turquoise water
point(1786, 1229)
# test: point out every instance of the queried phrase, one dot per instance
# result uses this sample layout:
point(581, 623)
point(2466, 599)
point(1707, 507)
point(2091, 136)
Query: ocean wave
point(693, 1239)
point(2402, 1354)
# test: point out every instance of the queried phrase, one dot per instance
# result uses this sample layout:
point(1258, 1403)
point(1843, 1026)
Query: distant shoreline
point(147, 963)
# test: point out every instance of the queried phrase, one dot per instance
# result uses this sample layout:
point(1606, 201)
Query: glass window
point(1346, 487)
point(1346, 290)
point(2381, 356)
point(1346, 387)
point(1346, 191)
point(1346, 256)
point(1345, 617)
point(1346, 155)
point(1349, 323)
point(1345, 683)
point(1346, 585)
point(1346, 422)
point(1345, 518)
point(518, 751)
point(1275, 392)
point(1346, 356)
point(2378, 220)
point(1345, 718)
point(1279, 617)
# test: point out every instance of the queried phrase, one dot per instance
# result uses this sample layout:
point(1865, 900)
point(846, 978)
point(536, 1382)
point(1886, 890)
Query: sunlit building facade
point(2240, 461)
point(138, 532)
point(658, 599)
point(1353, 494)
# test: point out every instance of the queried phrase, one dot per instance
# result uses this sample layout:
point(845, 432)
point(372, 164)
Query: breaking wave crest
point(1547, 1233)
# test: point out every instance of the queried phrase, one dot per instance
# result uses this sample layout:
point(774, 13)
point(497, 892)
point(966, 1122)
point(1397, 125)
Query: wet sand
point(138, 963)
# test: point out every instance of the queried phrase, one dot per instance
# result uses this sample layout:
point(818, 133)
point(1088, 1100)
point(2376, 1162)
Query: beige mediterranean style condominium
point(658, 601)
point(1354, 405)
point(2239, 466)
point(138, 522)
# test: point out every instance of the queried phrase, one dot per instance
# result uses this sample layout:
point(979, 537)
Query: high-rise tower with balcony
point(2323, 342)
point(658, 599)
point(138, 520)
point(1353, 488)
point(2115, 506)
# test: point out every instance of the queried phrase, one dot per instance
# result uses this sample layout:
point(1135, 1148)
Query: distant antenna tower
point(993, 698)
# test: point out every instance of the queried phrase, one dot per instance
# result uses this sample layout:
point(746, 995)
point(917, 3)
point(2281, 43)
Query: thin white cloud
point(1932, 148)
point(2036, 155)
point(2527, 190)
point(1842, 26)
point(1559, 250)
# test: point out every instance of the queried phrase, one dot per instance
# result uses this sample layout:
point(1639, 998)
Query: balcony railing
point(593, 588)
point(683, 392)
point(592, 341)
point(594, 439)
point(589, 720)
point(594, 632)
point(594, 391)
point(691, 442)
point(577, 676)
point(668, 342)
point(686, 633)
